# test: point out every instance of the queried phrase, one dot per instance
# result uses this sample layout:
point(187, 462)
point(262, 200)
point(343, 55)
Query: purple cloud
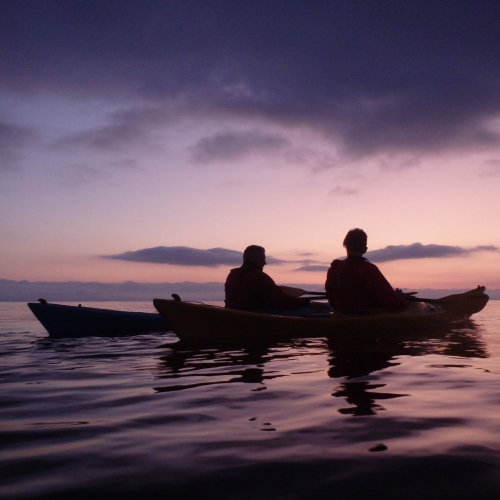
point(187, 256)
point(419, 251)
point(419, 78)
point(233, 145)
point(413, 251)
point(12, 139)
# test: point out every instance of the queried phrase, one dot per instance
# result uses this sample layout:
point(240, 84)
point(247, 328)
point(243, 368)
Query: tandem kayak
point(76, 321)
point(195, 321)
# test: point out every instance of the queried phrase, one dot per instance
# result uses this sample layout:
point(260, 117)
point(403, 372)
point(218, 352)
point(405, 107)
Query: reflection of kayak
point(72, 321)
point(199, 321)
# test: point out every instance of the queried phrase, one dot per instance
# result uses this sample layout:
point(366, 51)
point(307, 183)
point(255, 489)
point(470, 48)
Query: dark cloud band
point(215, 257)
point(390, 77)
point(313, 267)
point(414, 251)
point(234, 145)
point(187, 256)
point(419, 251)
point(12, 139)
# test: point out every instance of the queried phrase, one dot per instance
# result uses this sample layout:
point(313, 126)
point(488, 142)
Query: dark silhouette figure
point(249, 288)
point(355, 285)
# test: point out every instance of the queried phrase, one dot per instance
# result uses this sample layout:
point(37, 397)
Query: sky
point(152, 141)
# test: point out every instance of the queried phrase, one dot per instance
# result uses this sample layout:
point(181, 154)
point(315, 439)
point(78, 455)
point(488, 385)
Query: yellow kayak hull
point(195, 321)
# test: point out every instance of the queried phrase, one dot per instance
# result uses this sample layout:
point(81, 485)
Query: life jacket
point(251, 289)
point(355, 285)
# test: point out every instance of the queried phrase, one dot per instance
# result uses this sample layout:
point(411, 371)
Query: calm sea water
point(145, 416)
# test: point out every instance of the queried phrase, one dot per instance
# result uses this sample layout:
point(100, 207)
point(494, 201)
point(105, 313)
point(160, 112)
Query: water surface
point(305, 418)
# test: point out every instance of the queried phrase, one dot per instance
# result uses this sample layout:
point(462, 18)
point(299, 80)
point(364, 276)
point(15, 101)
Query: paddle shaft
point(466, 303)
point(418, 299)
point(298, 292)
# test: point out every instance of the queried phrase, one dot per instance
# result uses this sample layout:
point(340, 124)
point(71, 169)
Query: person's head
point(254, 255)
point(356, 241)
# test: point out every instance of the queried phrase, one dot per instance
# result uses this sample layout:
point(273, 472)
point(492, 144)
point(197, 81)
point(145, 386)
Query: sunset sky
point(154, 140)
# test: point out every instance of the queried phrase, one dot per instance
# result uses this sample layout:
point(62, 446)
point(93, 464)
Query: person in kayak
point(249, 288)
point(355, 285)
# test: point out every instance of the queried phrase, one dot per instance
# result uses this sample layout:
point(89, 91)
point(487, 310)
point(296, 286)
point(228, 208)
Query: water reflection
point(360, 358)
point(353, 360)
point(349, 363)
point(186, 366)
point(229, 363)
